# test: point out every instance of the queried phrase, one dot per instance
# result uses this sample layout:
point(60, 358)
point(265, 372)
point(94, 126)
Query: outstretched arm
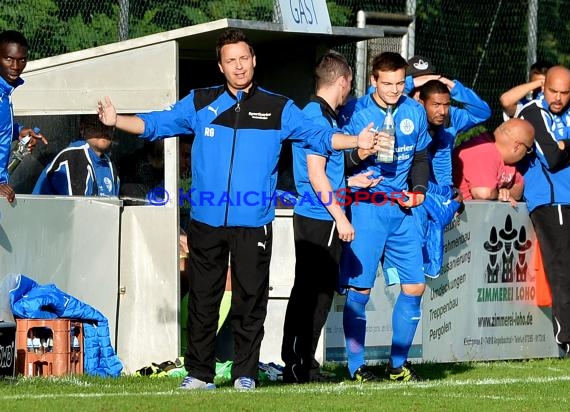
point(366, 139)
point(109, 117)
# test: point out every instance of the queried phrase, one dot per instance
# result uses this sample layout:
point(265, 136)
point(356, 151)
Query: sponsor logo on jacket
point(259, 115)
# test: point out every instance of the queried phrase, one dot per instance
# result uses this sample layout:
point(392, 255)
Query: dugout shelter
point(123, 258)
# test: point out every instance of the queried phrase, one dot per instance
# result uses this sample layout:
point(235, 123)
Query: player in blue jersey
point(419, 71)
point(445, 121)
point(385, 225)
point(320, 225)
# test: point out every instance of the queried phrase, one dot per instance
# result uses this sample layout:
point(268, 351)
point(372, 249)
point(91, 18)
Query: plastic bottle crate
point(7, 349)
point(63, 357)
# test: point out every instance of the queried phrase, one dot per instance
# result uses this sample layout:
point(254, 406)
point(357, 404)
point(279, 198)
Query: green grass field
point(534, 385)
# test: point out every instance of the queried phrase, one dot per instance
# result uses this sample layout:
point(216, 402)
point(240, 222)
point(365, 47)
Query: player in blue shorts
point(384, 224)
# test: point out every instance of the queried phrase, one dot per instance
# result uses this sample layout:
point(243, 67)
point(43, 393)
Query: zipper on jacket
point(237, 109)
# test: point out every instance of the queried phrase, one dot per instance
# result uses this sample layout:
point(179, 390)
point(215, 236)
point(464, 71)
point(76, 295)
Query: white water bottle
point(20, 151)
point(386, 153)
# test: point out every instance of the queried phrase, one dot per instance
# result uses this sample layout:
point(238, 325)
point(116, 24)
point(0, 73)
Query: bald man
point(547, 192)
point(484, 166)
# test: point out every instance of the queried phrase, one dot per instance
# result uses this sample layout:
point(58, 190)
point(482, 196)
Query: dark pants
point(317, 254)
point(552, 226)
point(250, 250)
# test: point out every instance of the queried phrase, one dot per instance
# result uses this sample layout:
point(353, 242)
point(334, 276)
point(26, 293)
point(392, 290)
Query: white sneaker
point(244, 383)
point(191, 383)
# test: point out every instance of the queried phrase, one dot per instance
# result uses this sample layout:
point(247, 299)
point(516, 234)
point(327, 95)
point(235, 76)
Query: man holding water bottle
point(384, 222)
point(13, 59)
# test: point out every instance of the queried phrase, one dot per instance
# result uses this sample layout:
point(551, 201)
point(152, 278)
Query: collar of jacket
point(7, 87)
point(246, 95)
point(328, 109)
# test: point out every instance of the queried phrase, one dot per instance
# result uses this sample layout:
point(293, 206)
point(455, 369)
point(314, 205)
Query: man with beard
point(547, 192)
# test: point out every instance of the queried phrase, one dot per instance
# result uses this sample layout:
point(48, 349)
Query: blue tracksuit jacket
point(8, 129)
point(547, 170)
point(78, 171)
point(236, 148)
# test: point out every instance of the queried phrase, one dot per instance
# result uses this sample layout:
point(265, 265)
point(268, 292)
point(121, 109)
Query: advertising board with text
point(482, 306)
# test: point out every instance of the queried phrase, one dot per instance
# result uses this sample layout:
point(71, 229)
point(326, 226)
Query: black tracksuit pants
point(250, 250)
point(552, 226)
point(317, 254)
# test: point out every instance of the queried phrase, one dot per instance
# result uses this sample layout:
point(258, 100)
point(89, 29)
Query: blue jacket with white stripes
point(78, 171)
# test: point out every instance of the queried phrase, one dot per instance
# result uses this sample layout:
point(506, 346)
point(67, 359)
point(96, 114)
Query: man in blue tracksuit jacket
point(239, 128)
point(547, 191)
point(13, 59)
point(445, 122)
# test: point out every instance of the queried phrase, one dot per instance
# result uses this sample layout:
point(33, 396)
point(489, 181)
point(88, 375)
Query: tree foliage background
point(483, 44)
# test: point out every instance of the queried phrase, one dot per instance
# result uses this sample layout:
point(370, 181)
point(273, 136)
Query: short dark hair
point(388, 62)
point(540, 67)
point(91, 126)
point(13, 36)
point(330, 67)
point(232, 36)
point(432, 87)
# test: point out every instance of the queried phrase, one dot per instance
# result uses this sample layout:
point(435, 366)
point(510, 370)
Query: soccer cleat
point(191, 383)
point(405, 373)
point(322, 377)
point(244, 384)
point(364, 374)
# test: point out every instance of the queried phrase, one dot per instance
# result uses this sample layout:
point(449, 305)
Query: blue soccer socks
point(405, 319)
point(354, 322)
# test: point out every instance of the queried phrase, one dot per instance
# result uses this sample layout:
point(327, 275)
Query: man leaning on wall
point(484, 167)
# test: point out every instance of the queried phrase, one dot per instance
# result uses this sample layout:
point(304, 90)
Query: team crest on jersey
point(407, 126)
point(108, 184)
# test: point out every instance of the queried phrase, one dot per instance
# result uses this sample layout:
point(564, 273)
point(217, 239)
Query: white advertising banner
point(482, 306)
